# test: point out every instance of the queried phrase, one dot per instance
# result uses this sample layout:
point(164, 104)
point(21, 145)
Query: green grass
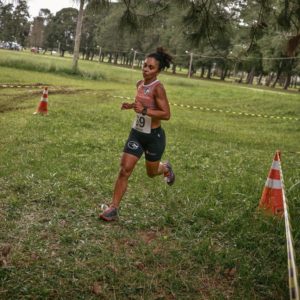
point(203, 238)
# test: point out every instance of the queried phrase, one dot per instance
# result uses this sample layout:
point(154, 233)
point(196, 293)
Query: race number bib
point(142, 123)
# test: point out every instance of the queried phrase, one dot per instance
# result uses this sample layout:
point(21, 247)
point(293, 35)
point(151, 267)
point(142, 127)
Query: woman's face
point(150, 68)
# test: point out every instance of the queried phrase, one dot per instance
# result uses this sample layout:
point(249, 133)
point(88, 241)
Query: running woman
point(146, 136)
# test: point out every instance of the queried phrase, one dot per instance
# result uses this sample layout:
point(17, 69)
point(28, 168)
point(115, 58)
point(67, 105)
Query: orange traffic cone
point(43, 105)
point(272, 196)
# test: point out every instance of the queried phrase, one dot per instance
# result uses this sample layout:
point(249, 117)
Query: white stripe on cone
point(273, 183)
point(45, 96)
point(275, 165)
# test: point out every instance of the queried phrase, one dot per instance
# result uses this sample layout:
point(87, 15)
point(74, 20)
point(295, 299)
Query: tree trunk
point(247, 77)
point(235, 70)
point(202, 72)
point(228, 73)
point(287, 81)
point(259, 79)
point(116, 58)
point(295, 81)
point(269, 79)
point(276, 80)
point(279, 71)
point(292, 45)
point(250, 76)
point(109, 57)
point(208, 76)
point(224, 74)
point(78, 36)
point(174, 68)
point(241, 78)
point(289, 73)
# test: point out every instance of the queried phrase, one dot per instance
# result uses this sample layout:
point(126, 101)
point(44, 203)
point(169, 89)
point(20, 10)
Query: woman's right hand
point(126, 105)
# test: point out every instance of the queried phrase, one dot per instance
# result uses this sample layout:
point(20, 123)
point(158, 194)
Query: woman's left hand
point(126, 105)
point(138, 107)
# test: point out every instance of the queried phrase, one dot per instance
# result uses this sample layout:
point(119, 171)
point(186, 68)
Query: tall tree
point(96, 5)
point(63, 29)
point(78, 35)
point(37, 33)
point(6, 22)
point(21, 22)
point(132, 16)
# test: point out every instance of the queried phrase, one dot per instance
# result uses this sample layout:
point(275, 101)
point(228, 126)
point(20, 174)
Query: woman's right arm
point(126, 105)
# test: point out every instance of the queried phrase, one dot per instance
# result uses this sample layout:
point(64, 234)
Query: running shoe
point(109, 214)
point(169, 175)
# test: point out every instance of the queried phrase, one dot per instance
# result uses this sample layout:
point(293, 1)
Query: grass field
point(203, 238)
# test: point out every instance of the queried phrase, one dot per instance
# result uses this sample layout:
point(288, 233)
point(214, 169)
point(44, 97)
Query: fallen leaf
point(96, 289)
point(3, 262)
point(230, 272)
point(139, 265)
point(5, 249)
point(34, 256)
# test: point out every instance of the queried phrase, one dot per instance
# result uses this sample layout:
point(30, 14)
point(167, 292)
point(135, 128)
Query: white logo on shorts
point(149, 153)
point(133, 145)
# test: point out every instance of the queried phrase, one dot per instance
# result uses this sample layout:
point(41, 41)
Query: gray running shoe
point(169, 175)
point(110, 214)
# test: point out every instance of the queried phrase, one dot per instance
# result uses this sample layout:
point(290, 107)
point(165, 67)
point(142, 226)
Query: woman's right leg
point(128, 162)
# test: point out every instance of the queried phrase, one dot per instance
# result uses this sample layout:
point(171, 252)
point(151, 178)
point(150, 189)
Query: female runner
point(146, 136)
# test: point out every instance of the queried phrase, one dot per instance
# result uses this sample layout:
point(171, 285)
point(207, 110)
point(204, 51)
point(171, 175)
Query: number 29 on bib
point(142, 123)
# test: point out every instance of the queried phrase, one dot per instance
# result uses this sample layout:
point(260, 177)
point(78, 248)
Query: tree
point(6, 22)
point(21, 24)
point(289, 22)
point(78, 36)
point(132, 17)
point(37, 32)
point(61, 30)
point(90, 27)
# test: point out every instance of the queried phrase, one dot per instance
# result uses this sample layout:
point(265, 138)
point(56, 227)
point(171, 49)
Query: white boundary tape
point(22, 86)
point(179, 105)
point(292, 269)
point(224, 111)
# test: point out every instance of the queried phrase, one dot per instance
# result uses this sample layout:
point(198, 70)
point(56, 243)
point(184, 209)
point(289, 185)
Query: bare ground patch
point(11, 101)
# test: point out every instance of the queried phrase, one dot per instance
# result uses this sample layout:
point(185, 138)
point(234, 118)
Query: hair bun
point(162, 57)
point(160, 50)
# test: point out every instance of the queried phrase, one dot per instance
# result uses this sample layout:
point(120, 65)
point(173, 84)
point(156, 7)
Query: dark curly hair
point(162, 57)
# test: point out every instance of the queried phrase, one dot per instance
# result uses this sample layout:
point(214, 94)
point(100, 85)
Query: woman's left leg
point(155, 168)
point(154, 151)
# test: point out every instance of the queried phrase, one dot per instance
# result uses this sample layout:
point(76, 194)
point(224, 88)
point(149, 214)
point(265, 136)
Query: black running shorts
point(152, 144)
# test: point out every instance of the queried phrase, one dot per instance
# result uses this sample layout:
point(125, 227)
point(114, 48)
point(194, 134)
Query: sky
point(52, 5)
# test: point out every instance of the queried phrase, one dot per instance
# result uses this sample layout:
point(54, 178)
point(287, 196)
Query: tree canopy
point(258, 37)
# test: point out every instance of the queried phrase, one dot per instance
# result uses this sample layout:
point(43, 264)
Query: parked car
point(15, 46)
point(10, 46)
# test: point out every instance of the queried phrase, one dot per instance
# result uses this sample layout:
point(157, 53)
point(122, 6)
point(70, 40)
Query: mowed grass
point(202, 238)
